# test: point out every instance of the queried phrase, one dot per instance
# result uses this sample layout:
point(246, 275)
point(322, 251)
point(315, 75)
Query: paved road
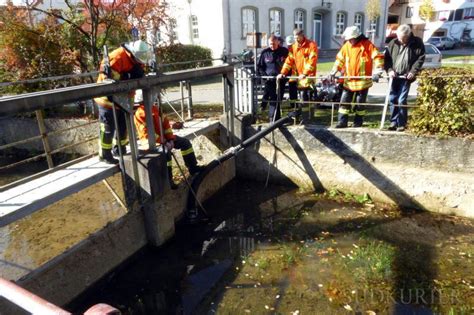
point(212, 93)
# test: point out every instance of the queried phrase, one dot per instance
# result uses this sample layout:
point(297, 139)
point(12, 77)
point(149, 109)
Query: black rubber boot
point(106, 156)
point(115, 150)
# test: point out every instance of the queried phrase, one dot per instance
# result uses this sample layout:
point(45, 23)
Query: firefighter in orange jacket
point(302, 59)
point(172, 141)
point(126, 62)
point(357, 57)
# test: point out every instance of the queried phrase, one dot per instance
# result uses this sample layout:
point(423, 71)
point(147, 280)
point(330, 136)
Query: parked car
point(432, 57)
point(442, 42)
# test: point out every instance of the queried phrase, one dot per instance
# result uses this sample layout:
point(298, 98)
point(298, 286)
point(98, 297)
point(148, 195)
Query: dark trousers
point(186, 148)
point(270, 97)
point(399, 96)
point(107, 130)
point(344, 110)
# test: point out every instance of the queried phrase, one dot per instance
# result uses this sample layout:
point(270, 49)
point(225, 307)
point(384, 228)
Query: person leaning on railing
point(172, 141)
point(404, 58)
point(269, 64)
point(124, 63)
point(302, 58)
point(356, 58)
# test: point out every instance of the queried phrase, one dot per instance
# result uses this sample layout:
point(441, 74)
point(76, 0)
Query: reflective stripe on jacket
point(358, 60)
point(122, 64)
point(302, 58)
point(140, 122)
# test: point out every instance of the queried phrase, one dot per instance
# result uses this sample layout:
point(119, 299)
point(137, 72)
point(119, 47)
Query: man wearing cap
point(404, 58)
point(356, 58)
point(125, 63)
point(171, 141)
point(302, 59)
point(269, 64)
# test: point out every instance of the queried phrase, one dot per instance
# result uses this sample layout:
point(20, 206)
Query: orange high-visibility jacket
point(121, 62)
point(358, 60)
point(302, 58)
point(140, 122)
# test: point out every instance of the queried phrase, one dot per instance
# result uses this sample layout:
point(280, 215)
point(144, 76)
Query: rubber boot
point(358, 120)
point(342, 120)
point(105, 155)
point(115, 150)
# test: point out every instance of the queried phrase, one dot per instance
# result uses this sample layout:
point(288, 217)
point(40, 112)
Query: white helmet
point(351, 32)
point(290, 40)
point(138, 97)
point(141, 50)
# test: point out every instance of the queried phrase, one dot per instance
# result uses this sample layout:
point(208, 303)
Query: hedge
point(182, 53)
point(445, 102)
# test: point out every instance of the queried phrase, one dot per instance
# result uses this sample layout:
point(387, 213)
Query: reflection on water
point(277, 251)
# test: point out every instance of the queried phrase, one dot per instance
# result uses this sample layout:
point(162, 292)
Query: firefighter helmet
point(141, 50)
point(351, 32)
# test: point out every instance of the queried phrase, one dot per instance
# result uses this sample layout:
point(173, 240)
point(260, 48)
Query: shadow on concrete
point(366, 169)
point(308, 167)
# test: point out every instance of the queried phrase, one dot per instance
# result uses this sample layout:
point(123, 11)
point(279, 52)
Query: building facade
point(453, 18)
point(222, 25)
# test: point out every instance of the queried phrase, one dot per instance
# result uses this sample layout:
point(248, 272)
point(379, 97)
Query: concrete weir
point(411, 171)
point(416, 172)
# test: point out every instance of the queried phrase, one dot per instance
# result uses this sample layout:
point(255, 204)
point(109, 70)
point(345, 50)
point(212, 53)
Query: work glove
point(375, 77)
point(169, 144)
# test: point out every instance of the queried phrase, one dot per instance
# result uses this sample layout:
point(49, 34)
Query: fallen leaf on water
point(348, 307)
point(247, 311)
point(277, 297)
point(295, 312)
point(370, 313)
point(267, 307)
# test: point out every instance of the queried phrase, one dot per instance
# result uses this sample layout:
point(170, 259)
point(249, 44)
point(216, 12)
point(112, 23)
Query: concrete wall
point(16, 129)
point(415, 172)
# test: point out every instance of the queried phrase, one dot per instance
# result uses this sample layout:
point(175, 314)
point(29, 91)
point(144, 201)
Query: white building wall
point(220, 21)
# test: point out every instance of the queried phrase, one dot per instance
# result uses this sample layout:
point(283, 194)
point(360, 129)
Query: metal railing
point(36, 305)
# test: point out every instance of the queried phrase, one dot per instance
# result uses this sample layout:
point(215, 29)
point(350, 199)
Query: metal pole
point(190, 100)
point(385, 105)
point(230, 81)
point(181, 89)
point(133, 149)
point(226, 105)
point(27, 300)
point(148, 103)
point(44, 137)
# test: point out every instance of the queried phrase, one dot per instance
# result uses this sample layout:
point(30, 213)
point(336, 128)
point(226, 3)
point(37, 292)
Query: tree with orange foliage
point(31, 51)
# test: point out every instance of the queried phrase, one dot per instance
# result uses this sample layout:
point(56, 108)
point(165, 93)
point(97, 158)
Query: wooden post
point(190, 100)
point(181, 89)
point(44, 137)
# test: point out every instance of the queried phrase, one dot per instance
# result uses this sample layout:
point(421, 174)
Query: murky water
point(275, 251)
point(32, 241)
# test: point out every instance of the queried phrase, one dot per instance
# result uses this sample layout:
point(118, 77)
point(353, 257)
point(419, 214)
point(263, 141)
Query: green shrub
point(445, 102)
point(177, 53)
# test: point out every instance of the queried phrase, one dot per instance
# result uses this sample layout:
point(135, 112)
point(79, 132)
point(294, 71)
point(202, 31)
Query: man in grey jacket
point(404, 58)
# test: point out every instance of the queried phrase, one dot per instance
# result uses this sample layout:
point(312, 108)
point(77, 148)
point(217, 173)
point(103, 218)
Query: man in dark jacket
point(269, 64)
point(404, 58)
